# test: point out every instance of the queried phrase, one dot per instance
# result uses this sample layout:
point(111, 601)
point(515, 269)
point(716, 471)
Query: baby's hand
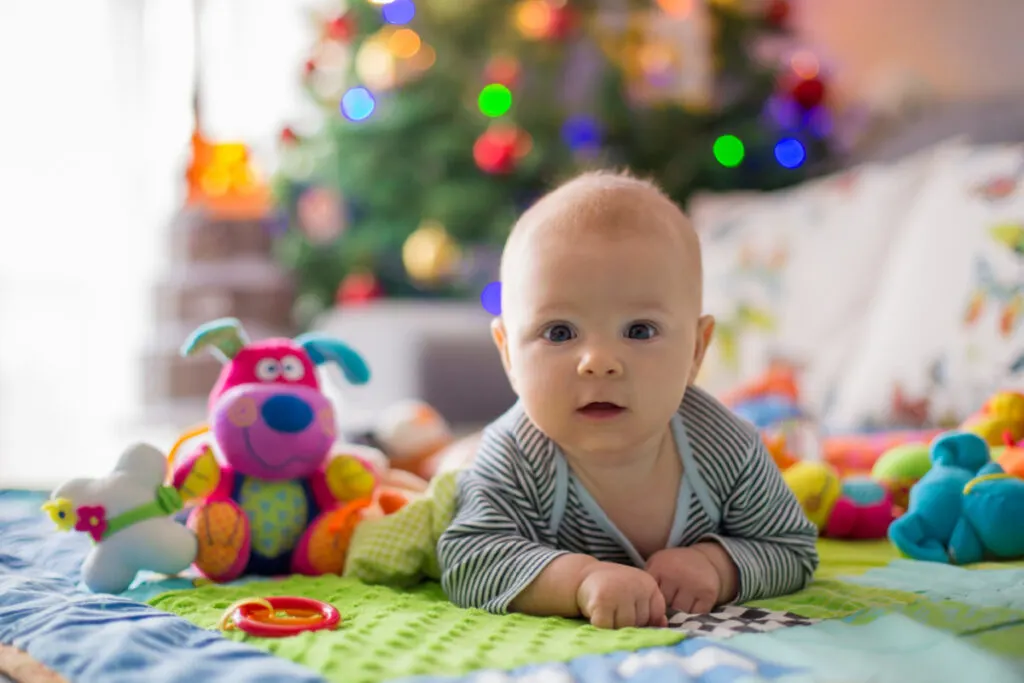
point(691, 580)
point(616, 596)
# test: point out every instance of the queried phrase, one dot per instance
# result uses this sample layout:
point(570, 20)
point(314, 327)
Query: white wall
point(964, 49)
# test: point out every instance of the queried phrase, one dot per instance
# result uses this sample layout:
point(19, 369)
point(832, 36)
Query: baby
point(614, 489)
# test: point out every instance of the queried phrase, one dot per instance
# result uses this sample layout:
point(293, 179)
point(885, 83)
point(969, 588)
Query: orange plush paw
point(222, 530)
point(323, 547)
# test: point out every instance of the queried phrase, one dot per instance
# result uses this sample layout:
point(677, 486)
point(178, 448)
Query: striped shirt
point(519, 507)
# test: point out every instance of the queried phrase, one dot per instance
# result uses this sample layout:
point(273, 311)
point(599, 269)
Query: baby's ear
point(500, 336)
point(705, 331)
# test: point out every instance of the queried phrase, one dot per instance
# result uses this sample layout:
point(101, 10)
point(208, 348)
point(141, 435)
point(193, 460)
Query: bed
point(867, 616)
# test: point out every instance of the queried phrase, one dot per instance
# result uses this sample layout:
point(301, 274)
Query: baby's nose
point(599, 364)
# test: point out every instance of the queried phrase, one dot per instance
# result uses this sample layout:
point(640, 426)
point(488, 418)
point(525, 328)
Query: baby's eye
point(558, 333)
point(641, 331)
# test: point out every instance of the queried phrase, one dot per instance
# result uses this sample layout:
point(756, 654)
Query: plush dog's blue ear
point(323, 349)
point(225, 337)
point(960, 449)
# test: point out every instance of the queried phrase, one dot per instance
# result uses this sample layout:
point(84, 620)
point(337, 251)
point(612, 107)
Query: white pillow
point(955, 248)
point(805, 261)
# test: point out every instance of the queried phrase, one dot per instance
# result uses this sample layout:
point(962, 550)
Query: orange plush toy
point(780, 379)
point(410, 444)
point(776, 445)
point(1011, 457)
point(413, 435)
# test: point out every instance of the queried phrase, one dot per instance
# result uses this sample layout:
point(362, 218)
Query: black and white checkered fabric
point(732, 620)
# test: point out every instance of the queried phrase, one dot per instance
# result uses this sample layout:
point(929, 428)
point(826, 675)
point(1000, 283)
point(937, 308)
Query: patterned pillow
point(791, 275)
point(945, 330)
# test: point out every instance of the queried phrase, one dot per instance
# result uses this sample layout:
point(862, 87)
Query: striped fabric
point(516, 514)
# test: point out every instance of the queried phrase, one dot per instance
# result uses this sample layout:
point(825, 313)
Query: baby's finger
point(704, 598)
point(603, 617)
point(657, 608)
point(625, 615)
point(683, 602)
point(703, 604)
point(669, 589)
point(642, 610)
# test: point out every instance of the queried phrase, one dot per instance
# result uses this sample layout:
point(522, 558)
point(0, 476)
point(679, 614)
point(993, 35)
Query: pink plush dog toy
point(269, 497)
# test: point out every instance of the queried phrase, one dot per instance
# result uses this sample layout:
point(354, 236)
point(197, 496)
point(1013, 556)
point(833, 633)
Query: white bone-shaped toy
point(129, 516)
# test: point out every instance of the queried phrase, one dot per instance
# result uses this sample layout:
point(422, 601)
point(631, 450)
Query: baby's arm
point(491, 555)
point(765, 531)
point(491, 559)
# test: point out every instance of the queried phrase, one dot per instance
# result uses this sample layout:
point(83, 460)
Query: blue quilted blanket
point(868, 617)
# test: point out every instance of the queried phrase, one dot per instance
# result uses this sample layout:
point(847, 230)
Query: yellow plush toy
point(816, 486)
point(1001, 415)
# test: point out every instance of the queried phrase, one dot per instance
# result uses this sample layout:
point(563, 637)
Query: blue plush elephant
point(965, 509)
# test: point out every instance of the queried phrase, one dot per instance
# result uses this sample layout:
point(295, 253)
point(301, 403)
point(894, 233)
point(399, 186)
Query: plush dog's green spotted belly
point(278, 513)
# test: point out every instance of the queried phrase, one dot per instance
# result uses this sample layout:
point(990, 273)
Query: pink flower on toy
point(92, 519)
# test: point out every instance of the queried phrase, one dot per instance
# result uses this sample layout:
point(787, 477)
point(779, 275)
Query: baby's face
point(600, 335)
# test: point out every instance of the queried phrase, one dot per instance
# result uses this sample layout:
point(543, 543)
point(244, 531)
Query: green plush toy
point(400, 549)
point(901, 467)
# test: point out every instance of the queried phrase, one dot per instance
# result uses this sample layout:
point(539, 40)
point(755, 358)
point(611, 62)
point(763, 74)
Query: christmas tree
point(444, 119)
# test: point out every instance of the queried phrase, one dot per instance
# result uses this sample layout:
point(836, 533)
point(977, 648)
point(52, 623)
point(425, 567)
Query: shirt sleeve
point(493, 548)
point(765, 531)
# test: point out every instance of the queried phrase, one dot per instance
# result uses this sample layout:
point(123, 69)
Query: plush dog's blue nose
point(286, 414)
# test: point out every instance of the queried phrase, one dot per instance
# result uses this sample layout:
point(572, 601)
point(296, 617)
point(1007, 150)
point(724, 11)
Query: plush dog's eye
point(292, 369)
point(267, 370)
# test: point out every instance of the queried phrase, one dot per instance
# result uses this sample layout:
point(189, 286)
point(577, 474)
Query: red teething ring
point(245, 617)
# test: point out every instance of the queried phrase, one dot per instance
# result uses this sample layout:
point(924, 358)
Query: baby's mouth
point(601, 410)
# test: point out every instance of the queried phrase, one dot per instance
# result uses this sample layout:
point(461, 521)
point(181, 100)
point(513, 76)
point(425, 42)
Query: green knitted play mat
point(390, 633)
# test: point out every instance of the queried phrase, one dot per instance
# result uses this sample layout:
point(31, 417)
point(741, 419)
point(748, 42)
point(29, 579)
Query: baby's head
point(601, 329)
